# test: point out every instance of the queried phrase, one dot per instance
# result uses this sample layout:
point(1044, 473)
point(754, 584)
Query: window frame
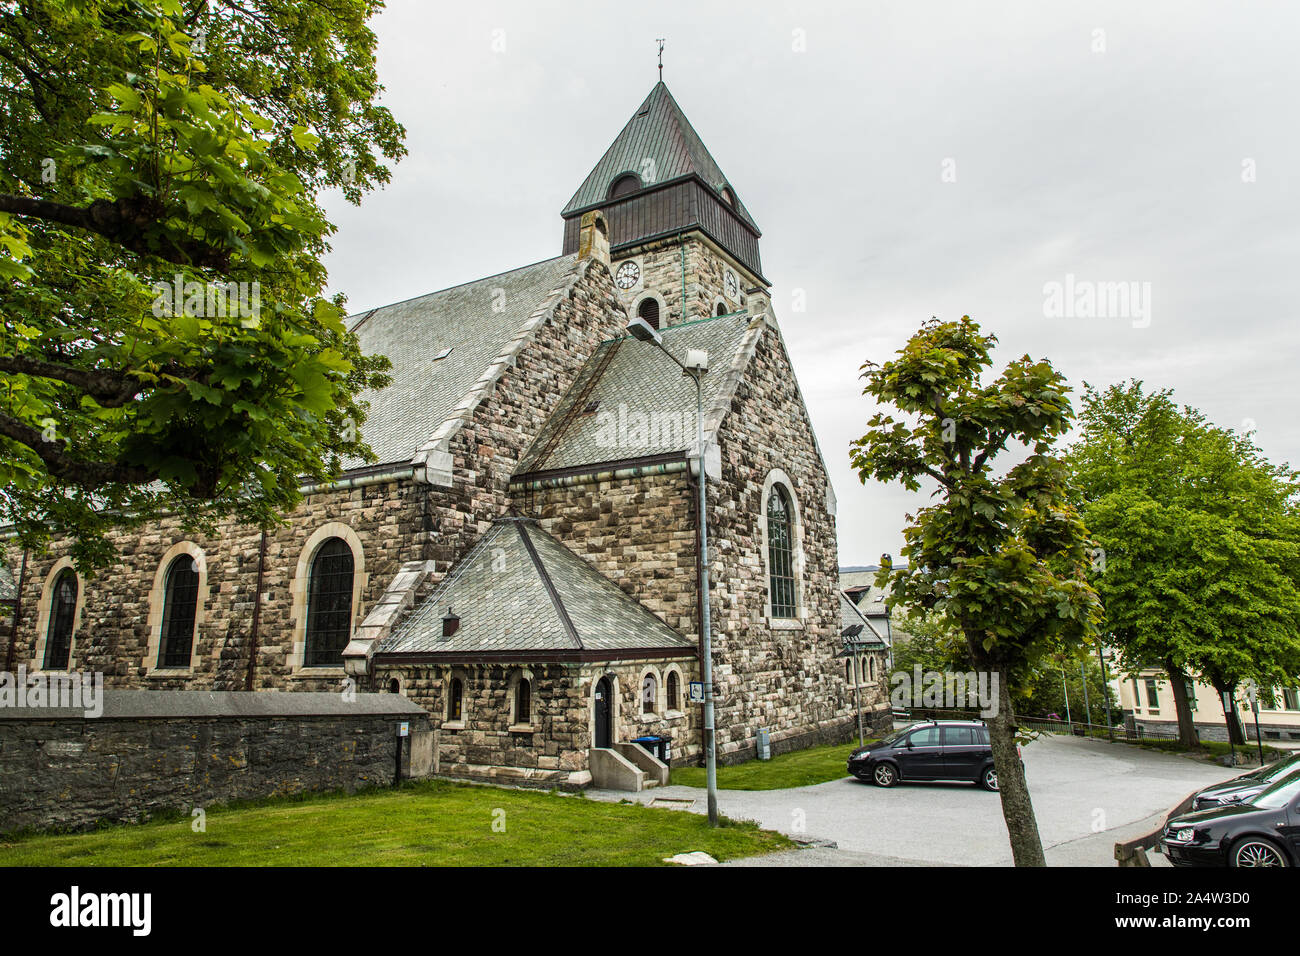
point(782, 573)
point(56, 614)
point(165, 659)
point(310, 654)
point(521, 698)
point(1153, 693)
point(649, 703)
point(650, 300)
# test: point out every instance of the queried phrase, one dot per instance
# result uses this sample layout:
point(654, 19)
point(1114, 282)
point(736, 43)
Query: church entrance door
point(604, 695)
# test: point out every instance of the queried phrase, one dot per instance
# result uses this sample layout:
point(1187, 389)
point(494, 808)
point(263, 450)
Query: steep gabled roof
point(658, 139)
point(853, 620)
point(630, 401)
point(469, 325)
point(520, 590)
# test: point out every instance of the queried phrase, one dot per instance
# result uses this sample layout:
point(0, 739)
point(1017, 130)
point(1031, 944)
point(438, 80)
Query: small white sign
point(404, 729)
point(697, 692)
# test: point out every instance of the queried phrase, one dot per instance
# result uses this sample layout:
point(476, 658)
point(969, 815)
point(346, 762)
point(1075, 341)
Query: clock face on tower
point(629, 273)
point(732, 286)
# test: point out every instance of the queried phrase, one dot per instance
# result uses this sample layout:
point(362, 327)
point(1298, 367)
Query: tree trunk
point(1235, 733)
point(1186, 723)
point(1017, 808)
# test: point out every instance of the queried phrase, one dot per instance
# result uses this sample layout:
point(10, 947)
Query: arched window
point(649, 310)
point(63, 610)
point(720, 309)
point(649, 694)
point(456, 700)
point(329, 604)
point(180, 605)
point(674, 691)
point(780, 552)
point(624, 185)
point(729, 196)
point(524, 701)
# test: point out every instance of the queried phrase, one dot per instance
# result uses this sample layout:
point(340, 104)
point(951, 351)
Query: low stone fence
point(161, 750)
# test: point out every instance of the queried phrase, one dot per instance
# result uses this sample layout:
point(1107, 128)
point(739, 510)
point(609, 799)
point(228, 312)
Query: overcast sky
point(903, 160)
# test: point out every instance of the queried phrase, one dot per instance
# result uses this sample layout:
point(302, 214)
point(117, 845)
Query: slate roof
point(521, 590)
point(627, 381)
point(659, 132)
point(425, 390)
point(851, 617)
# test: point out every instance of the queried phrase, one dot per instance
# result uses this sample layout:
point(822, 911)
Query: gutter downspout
point(18, 613)
point(257, 614)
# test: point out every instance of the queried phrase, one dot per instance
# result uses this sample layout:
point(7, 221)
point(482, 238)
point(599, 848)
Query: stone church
point(523, 559)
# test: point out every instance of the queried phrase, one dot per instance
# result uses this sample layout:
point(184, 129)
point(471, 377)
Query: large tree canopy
point(1201, 540)
point(1002, 557)
point(164, 338)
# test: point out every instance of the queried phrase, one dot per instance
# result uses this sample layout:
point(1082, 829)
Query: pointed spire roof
point(659, 144)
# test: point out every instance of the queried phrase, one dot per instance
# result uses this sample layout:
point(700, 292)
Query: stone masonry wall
point(553, 749)
point(774, 674)
point(638, 532)
point(73, 773)
point(661, 272)
point(114, 629)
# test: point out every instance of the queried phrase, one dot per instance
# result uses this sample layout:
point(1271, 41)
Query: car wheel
point(989, 778)
point(1256, 851)
point(885, 775)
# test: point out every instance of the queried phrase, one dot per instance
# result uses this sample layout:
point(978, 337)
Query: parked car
point(1242, 789)
point(1264, 831)
point(931, 750)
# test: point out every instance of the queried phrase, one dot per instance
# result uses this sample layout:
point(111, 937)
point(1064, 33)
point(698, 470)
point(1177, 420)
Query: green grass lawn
point(1212, 749)
point(432, 823)
point(800, 768)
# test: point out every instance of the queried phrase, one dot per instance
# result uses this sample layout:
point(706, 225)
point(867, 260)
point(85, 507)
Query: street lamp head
point(643, 331)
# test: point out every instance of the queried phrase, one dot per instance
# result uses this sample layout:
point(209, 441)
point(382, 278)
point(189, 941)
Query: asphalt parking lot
point(1088, 795)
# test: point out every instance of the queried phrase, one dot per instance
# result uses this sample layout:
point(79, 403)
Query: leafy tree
point(1201, 543)
point(1003, 558)
point(1044, 694)
point(932, 643)
point(150, 148)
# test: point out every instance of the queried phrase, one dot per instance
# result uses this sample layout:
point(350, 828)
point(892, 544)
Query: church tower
point(682, 244)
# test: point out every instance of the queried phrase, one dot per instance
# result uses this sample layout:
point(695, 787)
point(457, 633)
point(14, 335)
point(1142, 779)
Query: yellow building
point(1149, 698)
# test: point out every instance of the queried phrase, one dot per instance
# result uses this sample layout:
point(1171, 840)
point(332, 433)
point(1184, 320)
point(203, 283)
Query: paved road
point(1087, 796)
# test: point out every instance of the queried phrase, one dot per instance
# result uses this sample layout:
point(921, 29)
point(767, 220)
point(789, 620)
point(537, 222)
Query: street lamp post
point(695, 367)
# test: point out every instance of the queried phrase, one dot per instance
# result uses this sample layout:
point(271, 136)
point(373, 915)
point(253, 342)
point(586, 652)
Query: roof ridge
point(545, 575)
point(458, 285)
point(682, 325)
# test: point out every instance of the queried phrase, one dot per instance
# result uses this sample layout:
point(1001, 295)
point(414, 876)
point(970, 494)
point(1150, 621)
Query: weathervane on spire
point(660, 41)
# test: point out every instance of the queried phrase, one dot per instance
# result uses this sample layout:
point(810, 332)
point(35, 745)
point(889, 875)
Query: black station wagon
point(933, 750)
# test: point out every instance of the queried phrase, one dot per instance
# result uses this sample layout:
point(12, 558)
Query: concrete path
point(1088, 795)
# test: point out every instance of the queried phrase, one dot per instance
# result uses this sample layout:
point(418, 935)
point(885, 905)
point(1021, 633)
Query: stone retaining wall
point(155, 751)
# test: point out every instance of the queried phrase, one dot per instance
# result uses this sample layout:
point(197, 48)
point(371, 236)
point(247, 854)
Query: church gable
point(441, 345)
point(631, 402)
